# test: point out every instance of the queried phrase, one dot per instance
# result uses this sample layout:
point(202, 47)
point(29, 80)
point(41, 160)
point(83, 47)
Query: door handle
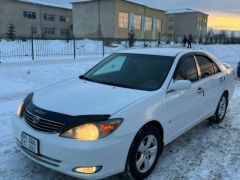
point(221, 79)
point(200, 91)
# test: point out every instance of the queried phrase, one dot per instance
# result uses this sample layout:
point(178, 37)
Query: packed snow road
point(205, 152)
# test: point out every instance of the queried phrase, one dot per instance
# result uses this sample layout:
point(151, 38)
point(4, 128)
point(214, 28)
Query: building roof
point(54, 3)
point(172, 52)
point(148, 3)
point(182, 10)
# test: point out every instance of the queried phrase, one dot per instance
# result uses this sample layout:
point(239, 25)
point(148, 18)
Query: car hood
point(78, 97)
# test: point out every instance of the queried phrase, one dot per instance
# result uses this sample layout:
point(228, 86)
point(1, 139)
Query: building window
point(171, 19)
point(65, 32)
point(29, 15)
point(123, 20)
point(170, 28)
point(64, 19)
point(49, 31)
point(137, 22)
point(159, 25)
point(49, 17)
point(148, 24)
point(34, 30)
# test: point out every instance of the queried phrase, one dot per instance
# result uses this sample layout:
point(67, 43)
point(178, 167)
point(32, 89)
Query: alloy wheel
point(146, 153)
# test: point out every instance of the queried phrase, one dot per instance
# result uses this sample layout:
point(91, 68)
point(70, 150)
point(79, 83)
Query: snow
point(148, 3)
point(226, 53)
point(15, 51)
point(205, 152)
point(178, 11)
point(53, 3)
point(19, 51)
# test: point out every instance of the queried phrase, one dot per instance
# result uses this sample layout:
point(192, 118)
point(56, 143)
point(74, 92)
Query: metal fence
point(30, 48)
point(71, 47)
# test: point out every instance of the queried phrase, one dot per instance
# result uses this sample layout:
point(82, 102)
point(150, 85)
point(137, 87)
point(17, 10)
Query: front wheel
point(221, 110)
point(144, 153)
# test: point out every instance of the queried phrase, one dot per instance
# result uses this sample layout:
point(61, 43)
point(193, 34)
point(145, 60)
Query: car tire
point(144, 153)
point(221, 110)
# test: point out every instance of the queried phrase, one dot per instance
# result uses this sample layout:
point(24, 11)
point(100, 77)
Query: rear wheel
point(221, 110)
point(144, 153)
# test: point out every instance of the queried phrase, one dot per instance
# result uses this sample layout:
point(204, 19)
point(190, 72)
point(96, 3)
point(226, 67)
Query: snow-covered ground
point(205, 152)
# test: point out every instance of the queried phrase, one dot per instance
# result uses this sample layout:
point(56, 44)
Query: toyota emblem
point(36, 119)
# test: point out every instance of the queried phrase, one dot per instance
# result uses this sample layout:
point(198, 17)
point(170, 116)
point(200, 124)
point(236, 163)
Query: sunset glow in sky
point(224, 21)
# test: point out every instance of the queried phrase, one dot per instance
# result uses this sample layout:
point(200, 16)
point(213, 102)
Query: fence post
point(103, 48)
point(32, 48)
point(74, 47)
point(159, 39)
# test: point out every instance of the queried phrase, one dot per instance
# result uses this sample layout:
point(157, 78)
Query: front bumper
point(64, 155)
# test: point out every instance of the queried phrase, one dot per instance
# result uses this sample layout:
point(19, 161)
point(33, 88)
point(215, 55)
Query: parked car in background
point(238, 69)
point(119, 115)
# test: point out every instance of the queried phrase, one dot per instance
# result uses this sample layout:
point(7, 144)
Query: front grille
point(42, 124)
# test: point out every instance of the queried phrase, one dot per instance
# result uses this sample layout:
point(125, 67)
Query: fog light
point(87, 170)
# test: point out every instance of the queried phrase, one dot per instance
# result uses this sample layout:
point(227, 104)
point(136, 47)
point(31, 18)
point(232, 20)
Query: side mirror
point(227, 65)
point(180, 85)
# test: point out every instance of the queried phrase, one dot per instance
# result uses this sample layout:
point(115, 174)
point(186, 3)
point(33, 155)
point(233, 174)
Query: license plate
point(30, 143)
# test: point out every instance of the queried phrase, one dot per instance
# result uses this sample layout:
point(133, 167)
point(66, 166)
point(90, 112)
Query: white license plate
point(30, 143)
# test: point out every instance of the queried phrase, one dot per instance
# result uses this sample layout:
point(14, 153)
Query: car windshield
point(134, 71)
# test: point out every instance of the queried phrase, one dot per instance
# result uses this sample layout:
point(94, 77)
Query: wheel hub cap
point(147, 153)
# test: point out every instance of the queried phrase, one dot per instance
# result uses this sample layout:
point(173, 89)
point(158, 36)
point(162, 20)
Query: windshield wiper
point(85, 78)
point(107, 83)
point(115, 84)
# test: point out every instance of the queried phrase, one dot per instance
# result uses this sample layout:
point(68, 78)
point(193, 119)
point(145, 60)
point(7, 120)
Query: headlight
point(22, 105)
point(20, 109)
point(92, 131)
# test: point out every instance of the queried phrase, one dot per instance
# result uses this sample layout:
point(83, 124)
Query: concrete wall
point(86, 19)
point(12, 11)
point(94, 19)
point(126, 6)
point(188, 23)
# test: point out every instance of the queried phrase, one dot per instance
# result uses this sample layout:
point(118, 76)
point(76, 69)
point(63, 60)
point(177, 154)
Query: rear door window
point(207, 66)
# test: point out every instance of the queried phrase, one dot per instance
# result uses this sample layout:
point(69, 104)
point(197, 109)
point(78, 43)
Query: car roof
point(172, 52)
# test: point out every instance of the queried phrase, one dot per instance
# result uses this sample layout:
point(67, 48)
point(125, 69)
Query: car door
point(184, 106)
point(212, 80)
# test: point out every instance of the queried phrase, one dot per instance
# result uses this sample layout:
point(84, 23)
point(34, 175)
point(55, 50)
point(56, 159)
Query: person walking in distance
point(185, 40)
point(190, 41)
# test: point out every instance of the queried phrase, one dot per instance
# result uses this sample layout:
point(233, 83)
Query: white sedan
point(119, 115)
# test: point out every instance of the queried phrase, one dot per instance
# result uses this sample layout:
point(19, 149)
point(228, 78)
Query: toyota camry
point(117, 117)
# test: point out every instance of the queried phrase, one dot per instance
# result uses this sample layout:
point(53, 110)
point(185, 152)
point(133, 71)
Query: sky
point(223, 14)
